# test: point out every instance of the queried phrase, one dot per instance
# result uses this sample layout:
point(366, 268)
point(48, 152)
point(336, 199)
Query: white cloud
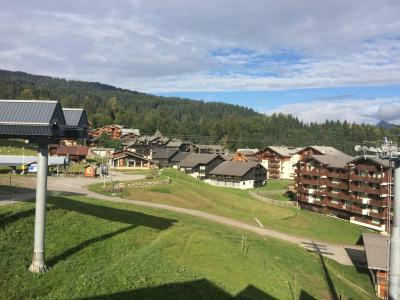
point(160, 46)
point(358, 111)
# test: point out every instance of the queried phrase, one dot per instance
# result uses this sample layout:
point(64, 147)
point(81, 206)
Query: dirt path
point(343, 254)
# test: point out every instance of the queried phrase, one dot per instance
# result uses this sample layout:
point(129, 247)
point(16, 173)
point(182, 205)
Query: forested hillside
point(231, 125)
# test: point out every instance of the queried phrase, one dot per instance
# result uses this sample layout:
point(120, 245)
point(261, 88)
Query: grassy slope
point(185, 191)
point(123, 251)
point(276, 189)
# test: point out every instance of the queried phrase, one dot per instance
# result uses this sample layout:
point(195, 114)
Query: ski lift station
point(42, 123)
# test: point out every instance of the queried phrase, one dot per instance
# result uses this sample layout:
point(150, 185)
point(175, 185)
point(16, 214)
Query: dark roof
point(178, 157)
point(75, 117)
point(195, 159)
point(164, 153)
point(72, 150)
point(206, 147)
point(376, 250)
point(233, 168)
point(30, 118)
point(29, 112)
point(332, 161)
point(382, 162)
point(125, 153)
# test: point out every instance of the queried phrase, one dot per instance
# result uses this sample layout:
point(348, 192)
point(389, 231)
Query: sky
point(317, 60)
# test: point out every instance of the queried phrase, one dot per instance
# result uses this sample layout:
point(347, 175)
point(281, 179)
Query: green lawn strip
point(16, 147)
point(188, 192)
point(124, 251)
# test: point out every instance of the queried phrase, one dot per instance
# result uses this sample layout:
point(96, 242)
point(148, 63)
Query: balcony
point(379, 203)
point(317, 182)
point(370, 179)
point(337, 175)
point(354, 209)
point(339, 185)
point(369, 168)
point(379, 215)
point(383, 190)
point(335, 205)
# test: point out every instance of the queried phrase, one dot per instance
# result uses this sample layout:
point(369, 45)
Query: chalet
point(144, 145)
point(181, 146)
point(177, 158)
point(114, 131)
point(356, 189)
point(248, 155)
point(376, 248)
point(162, 157)
point(236, 174)
point(127, 159)
point(212, 149)
point(200, 164)
point(74, 153)
point(102, 152)
point(279, 161)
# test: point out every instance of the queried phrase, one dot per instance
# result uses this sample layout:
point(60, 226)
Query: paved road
point(343, 254)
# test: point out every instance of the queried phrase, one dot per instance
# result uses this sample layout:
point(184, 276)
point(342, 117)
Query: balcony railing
point(339, 185)
point(356, 177)
point(334, 205)
point(383, 190)
point(364, 167)
point(379, 215)
point(337, 175)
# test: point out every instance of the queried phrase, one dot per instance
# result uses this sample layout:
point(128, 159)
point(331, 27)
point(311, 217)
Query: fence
point(260, 197)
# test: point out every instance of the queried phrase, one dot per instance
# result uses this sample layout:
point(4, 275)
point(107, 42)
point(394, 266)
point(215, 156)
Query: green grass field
point(188, 192)
point(102, 250)
point(276, 189)
point(16, 147)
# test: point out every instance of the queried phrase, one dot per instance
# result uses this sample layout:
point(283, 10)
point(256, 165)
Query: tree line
point(232, 126)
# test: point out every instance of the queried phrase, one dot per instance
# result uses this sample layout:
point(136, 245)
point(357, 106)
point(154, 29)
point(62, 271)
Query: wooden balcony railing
point(356, 177)
point(369, 168)
point(383, 190)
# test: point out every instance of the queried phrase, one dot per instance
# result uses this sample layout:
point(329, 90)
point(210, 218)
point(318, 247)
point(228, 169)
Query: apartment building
point(356, 189)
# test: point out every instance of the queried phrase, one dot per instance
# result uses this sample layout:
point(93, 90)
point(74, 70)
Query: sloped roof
point(164, 153)
point(324, 150)
point(247, 151)
point(194, 159)
point(17, 160)
point(75, 117)
point(126, 131)
point(284, 151)
point(379, 161)
point(233, 168)
point(215, 147)
point(376, 250)
point(179, 156)
point(125, 153)
point(29, 112)
point(72, 150)
point(339, 162)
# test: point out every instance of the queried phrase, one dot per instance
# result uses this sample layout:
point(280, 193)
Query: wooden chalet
point(181, 146)
point(318, 150)
point(211, 149)
point(236, 174)
point(128, 159)
point(376, 247)
point(177, 158)
point(163, 157)
point(114, 131)
point(247, 155)
point(74, 153)
point(200, 164)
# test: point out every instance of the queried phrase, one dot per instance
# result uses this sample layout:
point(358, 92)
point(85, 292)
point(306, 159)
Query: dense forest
point(203, 122)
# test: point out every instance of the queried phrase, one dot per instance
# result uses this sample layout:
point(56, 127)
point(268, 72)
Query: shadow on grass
point(7, 219)
point(81, 246)
point(197, 289)
point(112, 214)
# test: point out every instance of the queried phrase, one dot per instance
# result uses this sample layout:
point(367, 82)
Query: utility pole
point(38, 262)
point(394, 261)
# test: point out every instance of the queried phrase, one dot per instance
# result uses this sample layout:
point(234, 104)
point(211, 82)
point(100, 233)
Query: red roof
point(72, 150)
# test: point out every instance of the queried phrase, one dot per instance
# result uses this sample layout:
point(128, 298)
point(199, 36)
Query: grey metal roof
point(206, 147)
point(324, 150)
point(376, 250)
point(164, 153)
point(195, 159)
point(75, 117)
point(30, 112)
point(283, 151)
point(234, 168)
point(30, 118)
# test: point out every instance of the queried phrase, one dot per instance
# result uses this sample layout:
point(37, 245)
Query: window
point(202, 168)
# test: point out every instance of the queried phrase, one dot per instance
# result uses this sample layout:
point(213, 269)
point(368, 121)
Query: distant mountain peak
point(384, 124)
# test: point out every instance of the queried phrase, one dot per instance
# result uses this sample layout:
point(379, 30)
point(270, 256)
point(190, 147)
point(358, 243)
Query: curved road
point(344, 254)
